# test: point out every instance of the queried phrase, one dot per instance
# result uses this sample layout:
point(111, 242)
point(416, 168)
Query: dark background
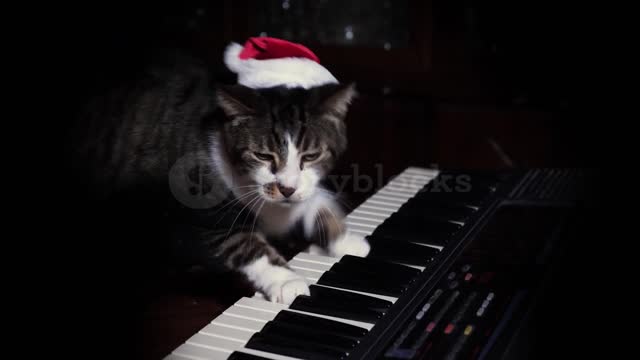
point(466, 84)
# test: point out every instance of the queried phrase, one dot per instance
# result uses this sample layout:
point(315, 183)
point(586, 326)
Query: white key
point(217, 350)
point(383, 297)
point(362, 220)
point(408, 183)
point(360, 224)
point(311, 266)
point(201, 353)
point(360, 229)
point(178, 357)
point(311, 276)
point(251, 308)
point(398, 189)
point(391, 199)
point(247, 313)
point(383, 211)
point(215, 342)
point(327, 260)
point(396, 193)
point(383, 203)
point(238, 322)
point(369, 214)
point(226, 332)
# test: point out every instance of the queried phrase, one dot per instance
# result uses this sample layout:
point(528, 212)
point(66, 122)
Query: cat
point(259, 157)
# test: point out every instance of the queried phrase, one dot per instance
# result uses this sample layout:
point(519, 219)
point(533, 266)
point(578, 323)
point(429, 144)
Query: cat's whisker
point(250, 212)
point(237, 216)
point(257, 196)
point(256, 216)
point(230, 205)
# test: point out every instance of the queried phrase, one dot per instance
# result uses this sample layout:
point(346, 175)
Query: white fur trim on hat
point(290, 72)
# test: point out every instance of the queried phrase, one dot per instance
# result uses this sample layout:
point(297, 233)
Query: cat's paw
point(286, 291)
point(349, 244)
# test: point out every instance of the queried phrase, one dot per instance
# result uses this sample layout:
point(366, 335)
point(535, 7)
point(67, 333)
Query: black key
point(376, 266)
point(309, 335)
point(340, 278)
point(414, 229)
point(434, 199)
point(431, 212)
point(367, 274)
point(293, 347)
point(405, 236)
point(333, 308)
point(237, 355)
point(384, 248)
point(321, 324)
point(346, 297)
point(420, 225)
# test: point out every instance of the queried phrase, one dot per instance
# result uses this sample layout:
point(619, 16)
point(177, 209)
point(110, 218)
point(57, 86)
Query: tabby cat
point(258, 155)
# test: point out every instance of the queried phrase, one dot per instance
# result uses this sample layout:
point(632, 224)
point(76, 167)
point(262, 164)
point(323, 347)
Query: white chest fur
point(276, 219)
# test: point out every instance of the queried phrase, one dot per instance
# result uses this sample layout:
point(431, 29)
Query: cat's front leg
point(267, 270)
point(330, 237)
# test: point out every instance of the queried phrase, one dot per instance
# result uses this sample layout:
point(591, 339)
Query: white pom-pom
point(231, 59)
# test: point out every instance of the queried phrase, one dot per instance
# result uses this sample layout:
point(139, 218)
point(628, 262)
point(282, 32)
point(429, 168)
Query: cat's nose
point(285, 190)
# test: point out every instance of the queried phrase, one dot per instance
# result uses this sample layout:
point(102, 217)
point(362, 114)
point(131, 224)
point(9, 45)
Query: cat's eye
point(310, 157)
point(263, 156)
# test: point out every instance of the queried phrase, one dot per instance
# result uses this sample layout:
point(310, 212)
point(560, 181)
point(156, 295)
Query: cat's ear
point(238, 100)
point(334, 98)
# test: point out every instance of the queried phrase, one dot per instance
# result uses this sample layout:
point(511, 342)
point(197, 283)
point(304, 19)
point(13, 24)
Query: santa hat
point(265, 62)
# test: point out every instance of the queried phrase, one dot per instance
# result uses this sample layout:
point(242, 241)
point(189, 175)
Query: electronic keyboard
point(456, 260)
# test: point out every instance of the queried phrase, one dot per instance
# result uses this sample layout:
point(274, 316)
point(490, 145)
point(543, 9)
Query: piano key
point(311, 266)
point(268, 306)
point(335, 309)
point(397, 192)
point(367, 214)
point(380, 266)
point(309, 334)
point(320, 259)
point(236, 355)
point(218, 349)
point(359, 228)
point(214, 329)
point(461, 213)
point(346, 280)
point(400, 251)
point(178, 357)
point(293, 347)
point(311, 276)
point(362, 221)
point(335, 327)
point(241, 323)
point(253, 314)
point(384, 211)
point(191, 351)
point(389, 199)
point(338, 295)
point(408, 182)
point(215, 342)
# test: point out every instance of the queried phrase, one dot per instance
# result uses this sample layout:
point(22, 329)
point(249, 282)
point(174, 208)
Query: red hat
point(267, 62)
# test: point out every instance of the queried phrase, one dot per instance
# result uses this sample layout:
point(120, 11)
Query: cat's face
point(281, 142)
